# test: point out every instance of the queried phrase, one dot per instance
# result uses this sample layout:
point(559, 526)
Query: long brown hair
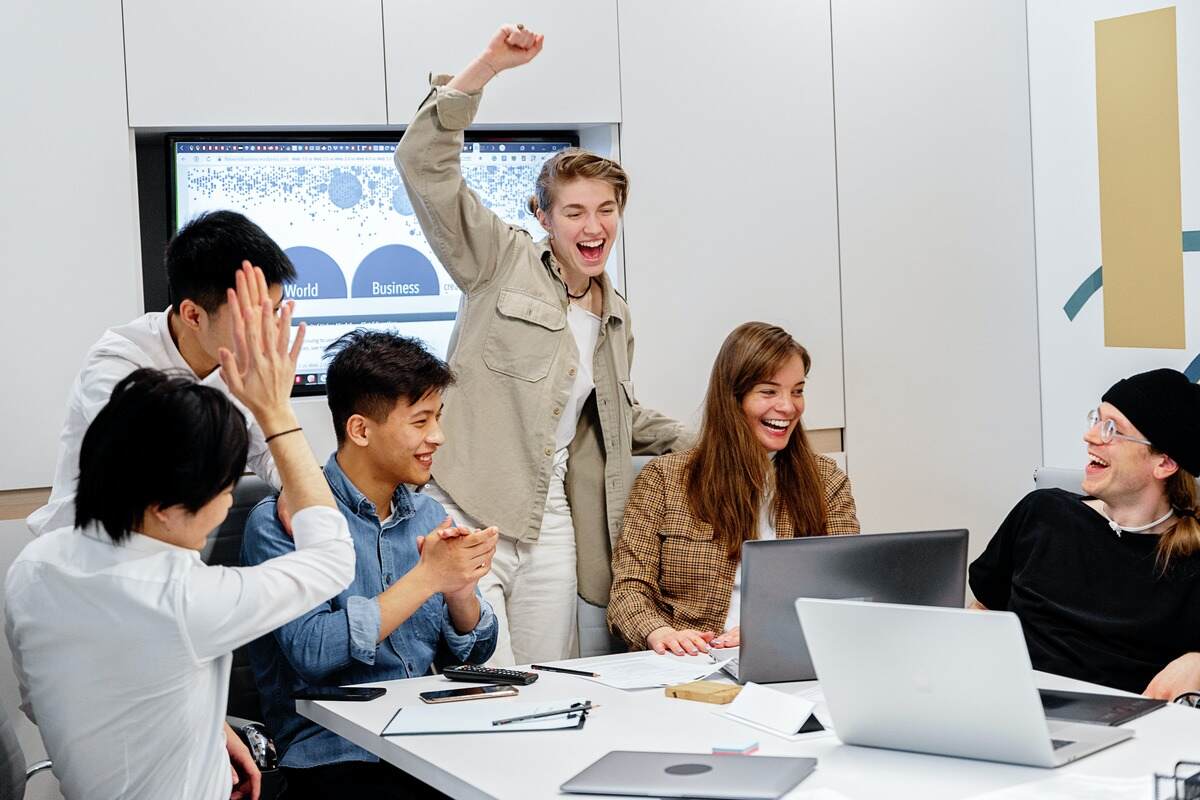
point(730, 471)
point(1184, 538)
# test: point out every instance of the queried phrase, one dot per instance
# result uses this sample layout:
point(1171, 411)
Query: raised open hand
point(261, 371)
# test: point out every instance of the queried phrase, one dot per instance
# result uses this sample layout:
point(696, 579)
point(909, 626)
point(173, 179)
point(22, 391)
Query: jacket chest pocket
point(627, 402)
point(690, 556)
point(524, 336)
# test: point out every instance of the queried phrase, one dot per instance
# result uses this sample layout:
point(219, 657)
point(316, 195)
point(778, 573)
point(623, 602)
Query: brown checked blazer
point(667, 568)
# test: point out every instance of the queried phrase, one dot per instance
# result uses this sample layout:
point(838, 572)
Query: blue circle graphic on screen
point(344, 188)
point(401, 203)
point(317, 275)
point(395, 270)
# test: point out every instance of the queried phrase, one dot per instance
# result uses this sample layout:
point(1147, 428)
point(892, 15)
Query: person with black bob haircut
point(202, 260)
point(149, 407)
point(121, 637)
point(385, 393)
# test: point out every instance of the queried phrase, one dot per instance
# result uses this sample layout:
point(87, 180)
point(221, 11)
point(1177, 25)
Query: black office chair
point(224, 548)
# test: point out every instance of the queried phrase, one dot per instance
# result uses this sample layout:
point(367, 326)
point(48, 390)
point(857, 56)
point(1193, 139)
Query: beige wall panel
point(1137, 124)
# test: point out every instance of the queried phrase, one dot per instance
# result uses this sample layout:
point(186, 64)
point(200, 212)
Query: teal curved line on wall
point(1092, 283)
point(1193, 370)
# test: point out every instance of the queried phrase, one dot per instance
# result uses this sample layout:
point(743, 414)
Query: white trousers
point(532, 585)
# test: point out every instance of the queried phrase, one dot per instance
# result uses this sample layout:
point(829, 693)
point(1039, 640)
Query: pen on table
point(565, 671)
point(577, 707)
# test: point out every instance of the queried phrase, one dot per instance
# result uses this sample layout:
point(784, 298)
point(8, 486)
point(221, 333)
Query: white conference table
point(533, 764)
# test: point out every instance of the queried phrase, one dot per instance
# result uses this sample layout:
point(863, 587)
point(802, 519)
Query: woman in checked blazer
point(753, 475)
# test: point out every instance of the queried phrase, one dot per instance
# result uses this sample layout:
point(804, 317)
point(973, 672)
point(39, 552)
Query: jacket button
point(557, 411)
point(571, 372)
point(549, 451)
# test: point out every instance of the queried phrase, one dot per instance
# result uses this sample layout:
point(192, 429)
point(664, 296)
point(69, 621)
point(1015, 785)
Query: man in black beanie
point(1107, 584)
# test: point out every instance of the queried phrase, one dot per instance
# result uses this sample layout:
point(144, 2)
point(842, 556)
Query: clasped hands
point(456, 557)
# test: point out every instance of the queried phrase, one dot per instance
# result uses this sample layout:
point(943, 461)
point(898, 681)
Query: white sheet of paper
point(796, 737)
point(646, 669)
point(1076, 787)
point(770, 709)
point(476, 716)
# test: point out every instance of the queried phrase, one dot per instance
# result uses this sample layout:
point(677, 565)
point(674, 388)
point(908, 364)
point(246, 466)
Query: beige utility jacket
point(515, 360)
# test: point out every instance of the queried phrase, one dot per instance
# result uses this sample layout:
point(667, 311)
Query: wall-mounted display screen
point(338, 209)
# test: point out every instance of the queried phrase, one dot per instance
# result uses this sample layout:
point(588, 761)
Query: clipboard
point(477, 717)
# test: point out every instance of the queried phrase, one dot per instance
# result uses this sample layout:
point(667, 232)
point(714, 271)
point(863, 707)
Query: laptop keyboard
point(1059, 743)
point(731, 668)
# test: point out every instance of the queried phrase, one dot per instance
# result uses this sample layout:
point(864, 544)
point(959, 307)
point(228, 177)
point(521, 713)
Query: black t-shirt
point(1093, 605)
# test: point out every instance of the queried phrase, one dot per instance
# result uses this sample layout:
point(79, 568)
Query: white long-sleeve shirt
point(144, 342)
point(122, 652)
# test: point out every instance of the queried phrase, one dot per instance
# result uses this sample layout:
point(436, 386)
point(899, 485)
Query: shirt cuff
point(314, 524)
point(461, 644)
point(362, 614)
point(455, 109)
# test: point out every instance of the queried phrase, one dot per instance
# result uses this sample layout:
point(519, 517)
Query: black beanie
point(1165, 406)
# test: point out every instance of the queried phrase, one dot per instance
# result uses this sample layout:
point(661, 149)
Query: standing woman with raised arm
point(542, 351)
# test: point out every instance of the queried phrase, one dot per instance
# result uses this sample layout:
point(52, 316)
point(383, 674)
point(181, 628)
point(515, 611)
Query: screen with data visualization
point(340, 211)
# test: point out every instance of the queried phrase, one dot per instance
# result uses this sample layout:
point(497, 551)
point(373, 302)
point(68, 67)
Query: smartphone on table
point(467, 693)
point(347, 693)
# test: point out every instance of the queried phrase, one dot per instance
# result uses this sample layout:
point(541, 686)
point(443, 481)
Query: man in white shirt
point(201, 260)
point(121, 637)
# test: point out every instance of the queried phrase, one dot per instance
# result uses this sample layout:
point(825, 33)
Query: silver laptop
point(938, 680)
point(924, 568)
point(730, 777)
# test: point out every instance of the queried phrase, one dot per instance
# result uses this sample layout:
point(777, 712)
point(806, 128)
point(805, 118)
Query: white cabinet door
point(575, 80)
point(938, 284)
point(729, 142)
point(254, 62)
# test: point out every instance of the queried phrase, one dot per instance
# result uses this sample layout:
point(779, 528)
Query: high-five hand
point(261, 371)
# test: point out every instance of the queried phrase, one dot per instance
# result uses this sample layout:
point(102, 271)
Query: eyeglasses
point(1108, 429)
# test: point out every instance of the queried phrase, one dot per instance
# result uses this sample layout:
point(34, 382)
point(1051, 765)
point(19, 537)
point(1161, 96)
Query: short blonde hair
point(572, 164)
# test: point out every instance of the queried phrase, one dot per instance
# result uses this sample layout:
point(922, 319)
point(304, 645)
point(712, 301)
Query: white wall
point(1076, 365)
point(936, 220)
point(67, 215)
point(727, 135)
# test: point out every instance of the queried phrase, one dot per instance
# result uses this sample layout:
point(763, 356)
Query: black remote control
point(479, 674)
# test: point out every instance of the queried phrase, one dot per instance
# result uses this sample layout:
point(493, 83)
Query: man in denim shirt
point(414, 591)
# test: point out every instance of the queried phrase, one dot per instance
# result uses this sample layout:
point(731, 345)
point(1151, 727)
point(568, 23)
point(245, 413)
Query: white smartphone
point(468, 693)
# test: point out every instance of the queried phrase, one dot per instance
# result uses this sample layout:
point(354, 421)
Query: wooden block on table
point(705, 692)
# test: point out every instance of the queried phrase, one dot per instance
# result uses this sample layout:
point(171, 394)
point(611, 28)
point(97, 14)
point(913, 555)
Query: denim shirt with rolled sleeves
point(337, 643)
